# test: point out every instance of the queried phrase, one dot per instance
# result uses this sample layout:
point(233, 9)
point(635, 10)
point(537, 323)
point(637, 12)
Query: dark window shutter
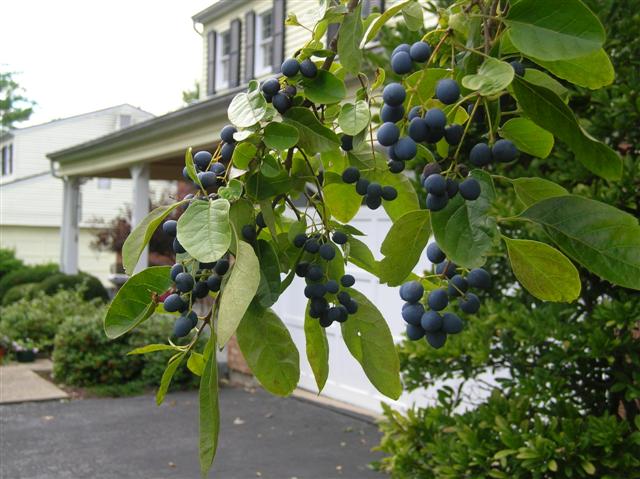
point(211, 63)
point(332, 31)
point(249, 45)
point(278, 33)
point(234, 54)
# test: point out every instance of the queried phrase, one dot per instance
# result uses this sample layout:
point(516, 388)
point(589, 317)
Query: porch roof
point(160, 142)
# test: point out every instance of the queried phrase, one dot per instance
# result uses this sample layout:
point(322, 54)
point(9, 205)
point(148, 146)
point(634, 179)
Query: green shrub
point(8, 261)
point(16, 293)
point(91, 286)
point(26, 274)
point(84, 356)
point(39, 317)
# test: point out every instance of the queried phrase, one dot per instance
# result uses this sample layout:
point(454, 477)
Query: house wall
point(38, 245)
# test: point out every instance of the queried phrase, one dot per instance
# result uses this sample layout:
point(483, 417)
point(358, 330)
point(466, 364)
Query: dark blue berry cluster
point(211, 170)
point(404, 56)
point(329, 299)
point(430, 320)
point(373, 192)
point(281, 95)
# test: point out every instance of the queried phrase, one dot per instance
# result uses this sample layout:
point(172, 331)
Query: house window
point(222, 60)
point(124, 120)
point(104, 183)
point(7, 160)
point(264, 43)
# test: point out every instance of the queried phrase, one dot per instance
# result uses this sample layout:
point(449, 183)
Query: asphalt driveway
point(261, 436)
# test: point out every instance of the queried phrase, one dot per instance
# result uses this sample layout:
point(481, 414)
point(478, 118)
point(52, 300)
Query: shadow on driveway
point(261, 436)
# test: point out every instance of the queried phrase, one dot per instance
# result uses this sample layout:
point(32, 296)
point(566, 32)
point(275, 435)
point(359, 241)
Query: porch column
point(69, 230)
point(140, 206)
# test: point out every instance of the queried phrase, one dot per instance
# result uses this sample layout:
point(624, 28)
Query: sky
point(78, 56)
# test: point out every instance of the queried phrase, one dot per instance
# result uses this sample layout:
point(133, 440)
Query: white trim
point(260, 68)
point(221, 82)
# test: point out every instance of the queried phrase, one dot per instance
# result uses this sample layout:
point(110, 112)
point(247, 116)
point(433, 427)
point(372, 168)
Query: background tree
point(14, 106)
point(567, 399)
point(192, 95)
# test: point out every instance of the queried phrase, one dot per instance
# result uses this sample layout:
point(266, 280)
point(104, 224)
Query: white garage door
point(347, 382)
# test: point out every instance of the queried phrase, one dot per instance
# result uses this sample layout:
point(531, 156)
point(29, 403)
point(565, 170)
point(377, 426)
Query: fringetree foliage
point(340, 138)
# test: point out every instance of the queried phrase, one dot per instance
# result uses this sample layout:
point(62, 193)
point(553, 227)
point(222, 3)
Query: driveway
point(261, 436)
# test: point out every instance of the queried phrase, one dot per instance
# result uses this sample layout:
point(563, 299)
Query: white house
point(31, 197)
point(241, 40)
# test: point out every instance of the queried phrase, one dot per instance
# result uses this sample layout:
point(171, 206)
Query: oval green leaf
point(406, 240)
point(369, 341)
point(552, 30)
point(280, 136)
point(602, 238)
point(528, 137)
point(492, 77)
point(141, 235)
point(269, 288)
point(209, 408)
point(238, 292)
point(247, 109)
point(317, 348)
point(341, 198)
point(204, 230)
point(349, 37)
point(354, 118)
point(135, 301)
point(325, 88)
point(543, 270)
point(270, 352)
point(167, 376)
point(593, 71)
point(314, 137)
point(243, 153)
point(532, 190)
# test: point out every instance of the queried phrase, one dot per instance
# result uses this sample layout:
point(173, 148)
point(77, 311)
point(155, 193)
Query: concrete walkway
point(20, 382)
point(261, 436)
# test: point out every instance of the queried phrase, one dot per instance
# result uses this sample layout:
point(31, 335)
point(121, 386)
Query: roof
point(145, 131)
point(216, 10)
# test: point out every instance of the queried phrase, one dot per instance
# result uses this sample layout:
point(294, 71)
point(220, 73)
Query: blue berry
point(374, 189)
point(431, 321)
point(418, 130)
point(218, 169)
point(412, 291)
point(457, 286)
point(446, 268)
point(438, 299)
point(318, 307)
point(403, 47)
point(435, 254)
point(315, 290)
point(396, 166)
point(361, 186)
point(221, 267)
point(176, 269)
point(435, 119)
point(227, 132)
point(299, 240)
point(312, 245)
point(214, 282)
point(281, 102)
point(504, 151)
point(184, 282)
point(170, 227)
point(182, 327)
point(343, 297)
point(173, 303)
point(393, 94)
point(337, 313)
point(470, 189)
point(435, 135)
point(226, 152)
point(249, 233)
point(327, 251)
point(347, 281)
point(436, 184)
point(352, 306)
point(412, 312)
point(332, 286)
point(452, 188)
point(479, 278)
point(401, 63)
point(177, 247)
point(290, 67)
point(200, 290)
point(518, 67)
point(373, 202)
point(436, 203)
point(451, 323)
point(480, 154)
point(414, 332)
point(202, 160)
point(351, 175)
point(436, 339)
point(315, 273)
point(447, 91)
point(389, 193)
point(388, 134)
point(346, 142)
point(391, 113)
point(453, 134)
point(271, 86)
point(339, 237)
point(415, 112)
point(308, 68)
point(405, 149)
point(420, 52)
point(208, 179)
point(470, 304)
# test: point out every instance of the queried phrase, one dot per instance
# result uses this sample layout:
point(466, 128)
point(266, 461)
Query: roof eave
point(219, 8)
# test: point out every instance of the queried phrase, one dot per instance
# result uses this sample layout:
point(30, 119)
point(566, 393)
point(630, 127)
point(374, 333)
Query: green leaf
point(543, 270)
point(195, 363)
point(406, 240)
point(361, 256)
point(268, 215)
point(280, 136)
point(231, 192)
point(528, 137)
point(209, 408)
point(141, 235)
point(407, 199)
point(341, 198)
point(247, 109)
point(369, 341)
point(540, 78)
point(552, 30)
point(135, 301)
point(492, 77)
point(421, 86)
point(241, 213)
point(413, 17)
point(349, 37)
point(167, 375)
point(191, 167)
point(262, 187)
point(379, 22)
point(463, 229)
point(243, 154)
point(547, 110)
point(325, 88)
point(151, 348)
point(354, 118)
point(269, 288)
point(593, 70)
point(269, 350)
point(314, 137)
point(532, 190)
point(317, 349)
point(588, 467)
point(204, 230)
point(602, 238)
point(238, 292)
